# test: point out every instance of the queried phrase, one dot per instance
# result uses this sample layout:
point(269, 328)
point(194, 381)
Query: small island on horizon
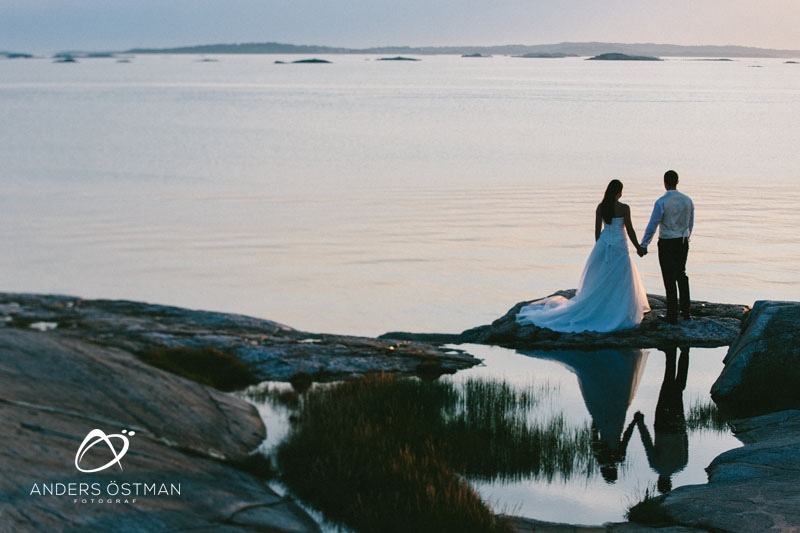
point(622, 57)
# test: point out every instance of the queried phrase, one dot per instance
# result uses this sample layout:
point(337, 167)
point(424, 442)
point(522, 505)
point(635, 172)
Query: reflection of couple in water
point(608, 380)
point(668, 452)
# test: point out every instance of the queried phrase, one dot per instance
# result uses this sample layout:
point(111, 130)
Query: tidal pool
point(642, 420)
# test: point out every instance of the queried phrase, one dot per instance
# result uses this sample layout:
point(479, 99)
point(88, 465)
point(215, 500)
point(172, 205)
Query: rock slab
point(273, 351)
point(55, 390)
point(751, 489)
point(770, 338)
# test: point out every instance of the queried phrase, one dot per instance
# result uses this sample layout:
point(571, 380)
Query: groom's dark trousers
point(672, 255)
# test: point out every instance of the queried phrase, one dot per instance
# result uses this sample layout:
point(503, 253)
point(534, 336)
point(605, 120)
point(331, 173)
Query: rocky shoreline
point(272, 351)
point(712, 325)
point(69, 365)
point(752, 488)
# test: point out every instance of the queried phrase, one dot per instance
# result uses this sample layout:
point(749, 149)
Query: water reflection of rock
point(608, 380)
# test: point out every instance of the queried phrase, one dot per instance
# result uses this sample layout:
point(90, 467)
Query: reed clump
point(649, 510)
point(706, 416)
point(208, 366)
point(385, 453)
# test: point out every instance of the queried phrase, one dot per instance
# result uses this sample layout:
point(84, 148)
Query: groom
point(674, 212)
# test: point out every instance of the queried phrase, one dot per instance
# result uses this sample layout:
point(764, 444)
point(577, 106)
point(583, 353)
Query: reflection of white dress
point(608, 380)
point(610, 295)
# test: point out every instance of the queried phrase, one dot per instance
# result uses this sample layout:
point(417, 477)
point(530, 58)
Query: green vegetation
point(278, 397)
point(491, 437)
point(705, 416)
point(385, 453)
point(208, 366)
point(649, 510)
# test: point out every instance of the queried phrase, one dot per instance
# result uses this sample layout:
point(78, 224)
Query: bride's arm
point(598, 223)
point(630, 230)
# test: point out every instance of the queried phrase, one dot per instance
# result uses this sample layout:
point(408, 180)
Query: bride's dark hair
point(609, 198)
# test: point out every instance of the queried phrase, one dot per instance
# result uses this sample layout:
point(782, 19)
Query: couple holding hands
point(610, 294)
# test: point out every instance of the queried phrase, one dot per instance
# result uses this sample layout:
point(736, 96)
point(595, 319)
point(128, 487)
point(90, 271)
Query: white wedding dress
point(610, 295)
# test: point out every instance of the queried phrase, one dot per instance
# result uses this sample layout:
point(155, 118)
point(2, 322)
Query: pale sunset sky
point(56, 25)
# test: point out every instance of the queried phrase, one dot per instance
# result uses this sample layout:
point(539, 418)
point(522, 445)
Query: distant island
point(542, 50)
point(15, 55)
point(304, 61)
point(623, 57)
point(398, 58)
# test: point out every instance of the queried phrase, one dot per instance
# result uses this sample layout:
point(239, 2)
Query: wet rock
point(273, 351)
point(762, 367)
point(54, 390)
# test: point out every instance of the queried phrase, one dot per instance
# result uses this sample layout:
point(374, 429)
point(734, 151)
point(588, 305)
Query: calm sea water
point(365, 196)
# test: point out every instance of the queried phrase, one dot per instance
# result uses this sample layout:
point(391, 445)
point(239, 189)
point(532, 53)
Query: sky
point(111, 25)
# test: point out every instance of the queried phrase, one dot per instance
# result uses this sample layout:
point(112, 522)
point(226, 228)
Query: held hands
point(641, 251)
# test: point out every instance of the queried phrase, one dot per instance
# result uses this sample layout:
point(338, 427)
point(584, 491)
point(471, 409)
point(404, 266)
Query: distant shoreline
point(573, 49)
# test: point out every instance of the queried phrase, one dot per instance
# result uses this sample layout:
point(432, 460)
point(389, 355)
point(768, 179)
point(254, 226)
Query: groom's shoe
point(668, 319)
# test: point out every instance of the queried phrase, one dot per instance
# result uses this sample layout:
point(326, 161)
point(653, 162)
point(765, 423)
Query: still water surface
point(603, 390)
point(367, 196)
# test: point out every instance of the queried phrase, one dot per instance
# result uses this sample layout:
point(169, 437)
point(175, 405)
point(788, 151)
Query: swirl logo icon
point(97, 436)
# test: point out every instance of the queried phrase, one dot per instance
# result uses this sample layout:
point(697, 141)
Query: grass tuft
point(649, 510)
point(256, 464)
point(706, 416)
point(277, 397)
point(208, 366)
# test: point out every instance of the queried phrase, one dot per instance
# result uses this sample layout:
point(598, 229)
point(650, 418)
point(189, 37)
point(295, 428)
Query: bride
point(610, 294)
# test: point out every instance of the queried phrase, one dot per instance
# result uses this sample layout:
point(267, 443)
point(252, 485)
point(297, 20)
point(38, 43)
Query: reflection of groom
point(670, 451)
point(674, 212)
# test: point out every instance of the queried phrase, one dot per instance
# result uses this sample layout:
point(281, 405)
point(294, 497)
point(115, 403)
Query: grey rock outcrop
point(765, 356)
point(711, 325)
point(54, 390)
point(751, 489)
point(271, 350)
point(528, 525)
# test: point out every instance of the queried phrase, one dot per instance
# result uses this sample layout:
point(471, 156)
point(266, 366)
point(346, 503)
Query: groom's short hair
point(671, 179)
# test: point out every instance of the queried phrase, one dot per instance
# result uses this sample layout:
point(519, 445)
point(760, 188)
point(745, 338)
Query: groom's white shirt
point(674, 213)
